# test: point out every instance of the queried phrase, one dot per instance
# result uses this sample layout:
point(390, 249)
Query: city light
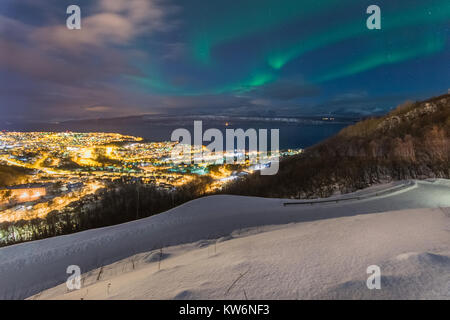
point(67, 167)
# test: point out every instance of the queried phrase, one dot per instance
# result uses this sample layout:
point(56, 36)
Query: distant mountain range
point(171, 119)
point(410, 142)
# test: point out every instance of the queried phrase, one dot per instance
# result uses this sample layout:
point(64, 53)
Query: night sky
point(248, 57)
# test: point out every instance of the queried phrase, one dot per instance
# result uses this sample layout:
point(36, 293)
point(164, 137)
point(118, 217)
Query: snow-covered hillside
point(265, 249)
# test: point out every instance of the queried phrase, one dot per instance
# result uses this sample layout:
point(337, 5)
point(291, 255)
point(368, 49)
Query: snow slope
point(322, 259)
point(265, 250)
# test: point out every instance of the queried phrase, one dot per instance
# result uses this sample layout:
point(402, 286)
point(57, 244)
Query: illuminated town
point(61, 168)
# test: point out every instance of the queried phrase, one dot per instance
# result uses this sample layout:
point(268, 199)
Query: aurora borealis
point(210, 56)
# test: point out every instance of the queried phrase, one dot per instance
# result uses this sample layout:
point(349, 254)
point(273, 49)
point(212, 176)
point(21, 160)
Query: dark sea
point(292, 135)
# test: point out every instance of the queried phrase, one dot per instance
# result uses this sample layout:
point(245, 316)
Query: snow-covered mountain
point(254, 248)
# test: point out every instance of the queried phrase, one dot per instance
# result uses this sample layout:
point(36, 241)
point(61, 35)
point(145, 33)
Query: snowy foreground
point(230, 247)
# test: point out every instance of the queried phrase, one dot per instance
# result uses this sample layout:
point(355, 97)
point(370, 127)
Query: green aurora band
point(240, 20)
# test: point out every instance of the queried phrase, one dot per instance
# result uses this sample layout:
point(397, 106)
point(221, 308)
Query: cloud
point(97, 108)
point(286, 89)
point(201, 103)
point(117, 22)
point(350, 96)
point(358, 103)
point(97, 30)
point(148, 14)
point(74, 73)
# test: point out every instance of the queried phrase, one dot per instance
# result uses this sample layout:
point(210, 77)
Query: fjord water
point(292, 135)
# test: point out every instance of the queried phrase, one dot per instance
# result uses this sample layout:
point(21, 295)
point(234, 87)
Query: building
point(26, 192)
